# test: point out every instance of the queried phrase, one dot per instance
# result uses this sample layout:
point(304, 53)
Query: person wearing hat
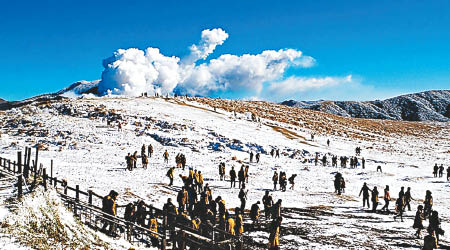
point(418, 221)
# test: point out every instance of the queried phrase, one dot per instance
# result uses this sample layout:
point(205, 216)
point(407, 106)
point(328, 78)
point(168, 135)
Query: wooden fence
point(86, 206)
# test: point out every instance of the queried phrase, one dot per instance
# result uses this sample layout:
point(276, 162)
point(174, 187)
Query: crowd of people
point(402, 203)
point(197, 208)
point(131, 159)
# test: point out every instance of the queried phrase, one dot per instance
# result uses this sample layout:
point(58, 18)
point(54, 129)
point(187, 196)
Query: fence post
point(19, 162)
point(35, 166)
point(164, 233)
point(45, 178)
point(36, 159)
point(29, 158)
point(183, 240)
point(55, 182)
point(26, 155)
point(9, 165)
point(65, 189)
point(25, 169)
point(129, 231)
point(51, 172)
point(90, 197)
point(240, 244)
point(19, 187)
point(14, 167)
point(77, 192)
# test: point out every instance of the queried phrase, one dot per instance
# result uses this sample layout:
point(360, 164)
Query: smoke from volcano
point(134, 71)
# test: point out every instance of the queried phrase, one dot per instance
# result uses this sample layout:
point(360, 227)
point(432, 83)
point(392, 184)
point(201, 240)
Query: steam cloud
point(133, 71)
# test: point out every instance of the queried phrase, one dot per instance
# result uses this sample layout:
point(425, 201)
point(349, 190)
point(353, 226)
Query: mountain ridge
point(432, 105)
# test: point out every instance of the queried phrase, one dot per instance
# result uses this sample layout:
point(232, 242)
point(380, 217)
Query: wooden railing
point(86, 206)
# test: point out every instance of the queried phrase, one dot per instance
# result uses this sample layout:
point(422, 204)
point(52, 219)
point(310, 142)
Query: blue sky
point(388, 47)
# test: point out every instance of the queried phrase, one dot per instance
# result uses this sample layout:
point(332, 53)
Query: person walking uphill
point(144, 161)
point(399, 207)
point(448, 173)
point(374, 199)
point(150, 150)
point(408, 198)
point(268, 203)
point(441, 171)
point(365, 191)
point(337, 183)
point(275, 180)
point(435, 225)
point(418, 221)
point(222, 171)
point(241, 176)
point(435, 170)
point(243, 197)
point(129, 162)
point(143, 150)
point(274, 242)
point(182, 199)
point(134, 158)
point(166, 157)
point(254, 212)
point(428, 202)
point(233, 177)
point(109, 207)
point(387, 198)
point(170, 175)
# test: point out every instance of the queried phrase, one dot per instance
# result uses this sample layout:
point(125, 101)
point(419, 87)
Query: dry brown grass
point(324, 123)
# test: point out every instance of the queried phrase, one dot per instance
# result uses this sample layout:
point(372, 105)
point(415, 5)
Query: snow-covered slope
point(88, 152)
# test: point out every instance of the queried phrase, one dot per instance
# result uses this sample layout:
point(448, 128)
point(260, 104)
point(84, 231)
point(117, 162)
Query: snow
point(88, 152)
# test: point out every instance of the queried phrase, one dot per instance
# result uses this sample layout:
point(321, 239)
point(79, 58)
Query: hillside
point(89, 151)
point(431, 105)
point(2, 101)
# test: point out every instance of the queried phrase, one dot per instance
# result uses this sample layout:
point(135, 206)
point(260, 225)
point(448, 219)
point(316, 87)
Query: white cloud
point(238, 73)
point(210, 39)
point(133, 71)
point(294, 85)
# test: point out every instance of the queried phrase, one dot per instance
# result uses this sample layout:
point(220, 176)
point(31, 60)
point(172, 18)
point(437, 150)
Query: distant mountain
point(81, 87)
point(2, 101)
point(431, 105)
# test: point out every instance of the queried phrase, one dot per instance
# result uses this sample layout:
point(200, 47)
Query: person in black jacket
point(374, 199)
point(241, 176)
point(365, 191)
point(435, 225)
point(418, 221)
point(233, 177)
